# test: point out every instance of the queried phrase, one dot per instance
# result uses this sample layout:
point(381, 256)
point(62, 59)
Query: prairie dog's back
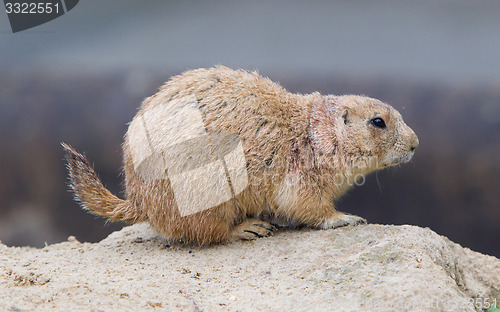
point(239, 96)
point(267, 118)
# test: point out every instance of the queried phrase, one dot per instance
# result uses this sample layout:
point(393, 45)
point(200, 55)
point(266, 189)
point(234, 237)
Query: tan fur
point(302, 152)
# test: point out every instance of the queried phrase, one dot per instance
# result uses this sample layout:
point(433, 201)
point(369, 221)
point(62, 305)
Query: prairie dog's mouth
point(410, 156)
point(393, 159)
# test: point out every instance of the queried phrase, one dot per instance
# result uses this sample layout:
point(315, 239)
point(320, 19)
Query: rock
point(368, 267)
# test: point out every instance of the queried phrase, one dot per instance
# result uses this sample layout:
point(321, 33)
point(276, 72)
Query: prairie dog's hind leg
point(251, 229)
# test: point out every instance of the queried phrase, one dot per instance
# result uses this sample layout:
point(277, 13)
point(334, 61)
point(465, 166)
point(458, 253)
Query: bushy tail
point(91, 193)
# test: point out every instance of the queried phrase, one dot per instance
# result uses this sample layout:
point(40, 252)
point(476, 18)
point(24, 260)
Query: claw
point(340, 220)
point(251, 229)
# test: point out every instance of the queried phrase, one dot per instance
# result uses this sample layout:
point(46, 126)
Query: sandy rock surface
point(368, 268)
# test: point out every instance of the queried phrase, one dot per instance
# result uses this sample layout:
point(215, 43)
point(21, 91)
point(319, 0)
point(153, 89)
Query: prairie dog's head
point(356, 126)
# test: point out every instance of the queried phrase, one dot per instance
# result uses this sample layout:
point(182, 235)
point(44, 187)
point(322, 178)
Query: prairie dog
point(216, 149)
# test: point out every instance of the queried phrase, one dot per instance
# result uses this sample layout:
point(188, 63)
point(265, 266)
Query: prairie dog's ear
point(345, 116)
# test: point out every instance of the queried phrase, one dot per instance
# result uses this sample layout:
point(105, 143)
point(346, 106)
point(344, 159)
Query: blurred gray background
point(80, 79)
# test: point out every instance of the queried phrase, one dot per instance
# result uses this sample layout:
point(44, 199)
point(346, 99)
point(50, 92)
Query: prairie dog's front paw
point(341, 219)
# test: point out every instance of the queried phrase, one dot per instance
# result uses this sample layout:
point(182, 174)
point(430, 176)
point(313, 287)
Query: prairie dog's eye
point(378, 122)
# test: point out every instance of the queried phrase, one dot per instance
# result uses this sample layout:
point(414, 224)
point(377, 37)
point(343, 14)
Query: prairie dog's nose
point(413, 141)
